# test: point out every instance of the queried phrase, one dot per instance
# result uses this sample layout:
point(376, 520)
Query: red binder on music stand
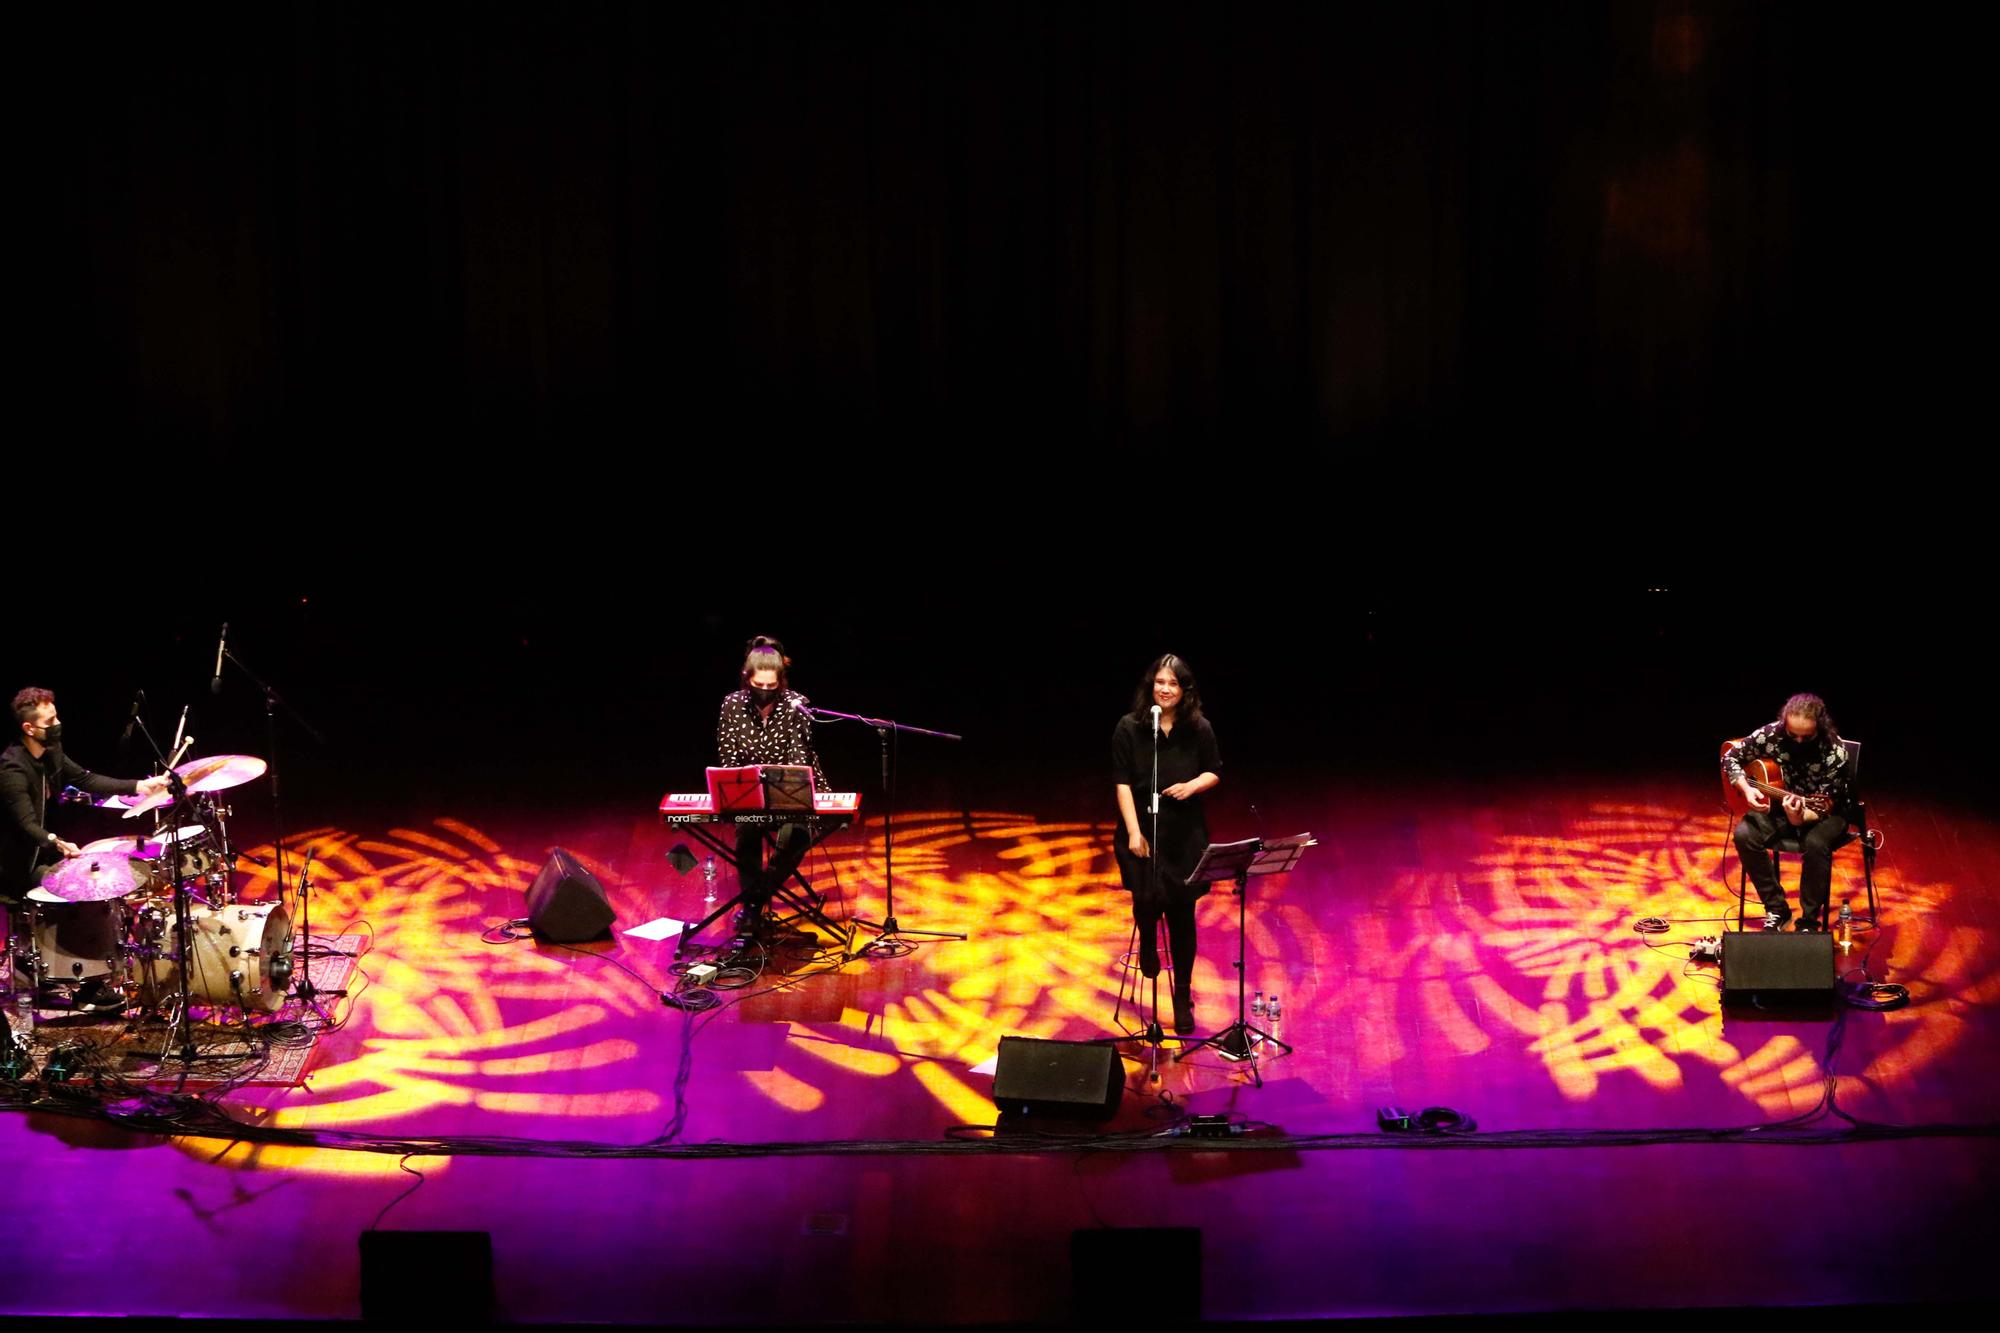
point(761, 787)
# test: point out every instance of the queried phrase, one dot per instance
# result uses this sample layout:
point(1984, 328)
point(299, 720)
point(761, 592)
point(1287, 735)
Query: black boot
point(1183, 1007)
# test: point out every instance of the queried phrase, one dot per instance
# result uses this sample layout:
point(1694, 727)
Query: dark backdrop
point(602, 699)
point(718, 262)
point(623, 226)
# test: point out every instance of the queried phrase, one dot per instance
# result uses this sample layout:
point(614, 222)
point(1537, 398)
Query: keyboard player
point(765, 722)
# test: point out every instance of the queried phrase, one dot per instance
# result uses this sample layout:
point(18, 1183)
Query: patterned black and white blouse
point(743, 736)
point(1809, 769)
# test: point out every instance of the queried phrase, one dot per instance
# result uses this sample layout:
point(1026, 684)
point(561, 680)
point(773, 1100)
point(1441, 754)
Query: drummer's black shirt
point(25, 784)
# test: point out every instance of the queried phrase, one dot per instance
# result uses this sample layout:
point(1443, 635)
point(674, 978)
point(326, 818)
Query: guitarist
point(1805, 746)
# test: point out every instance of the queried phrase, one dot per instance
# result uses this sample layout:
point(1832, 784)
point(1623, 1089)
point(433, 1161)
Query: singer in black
point(766, 722)
point(1156, 876)
point(32, 768)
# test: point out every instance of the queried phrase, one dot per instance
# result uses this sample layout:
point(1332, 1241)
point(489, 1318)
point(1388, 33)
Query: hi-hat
point(132, 844)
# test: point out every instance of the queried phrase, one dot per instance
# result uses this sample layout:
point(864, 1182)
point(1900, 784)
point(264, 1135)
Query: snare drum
point(241, 955)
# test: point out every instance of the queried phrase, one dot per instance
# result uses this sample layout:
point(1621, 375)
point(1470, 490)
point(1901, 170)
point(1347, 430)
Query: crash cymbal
point(97, 877)
point(218, 772)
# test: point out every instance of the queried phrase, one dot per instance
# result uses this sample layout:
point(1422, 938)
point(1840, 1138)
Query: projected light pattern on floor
point(1559, 910)
point(450, 1023)
point(1525, 950)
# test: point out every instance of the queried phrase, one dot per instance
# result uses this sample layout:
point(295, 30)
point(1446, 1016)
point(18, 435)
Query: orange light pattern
point(450, 1022)
point(1555, 913)
point(1527, 946)
point(1045, 919)
point(1047, 923)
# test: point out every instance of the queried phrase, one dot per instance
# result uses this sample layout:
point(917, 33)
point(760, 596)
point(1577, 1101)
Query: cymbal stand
point(180, 1020)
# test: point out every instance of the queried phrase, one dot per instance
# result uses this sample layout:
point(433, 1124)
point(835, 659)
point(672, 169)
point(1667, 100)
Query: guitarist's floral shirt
point(1809, 769)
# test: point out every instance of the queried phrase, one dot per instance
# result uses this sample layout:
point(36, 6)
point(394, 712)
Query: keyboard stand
point(796, 892)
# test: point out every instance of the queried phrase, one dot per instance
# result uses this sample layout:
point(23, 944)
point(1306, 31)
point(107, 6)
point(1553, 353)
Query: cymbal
point(142, 845)
point(218, 772)
point(97, 877)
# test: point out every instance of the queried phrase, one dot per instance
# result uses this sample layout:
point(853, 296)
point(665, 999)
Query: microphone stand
point(888, 927)
point(302, 945)
point(1154, 1036)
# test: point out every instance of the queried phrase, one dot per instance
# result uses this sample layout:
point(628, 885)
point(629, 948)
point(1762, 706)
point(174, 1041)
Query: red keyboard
point(698, 808)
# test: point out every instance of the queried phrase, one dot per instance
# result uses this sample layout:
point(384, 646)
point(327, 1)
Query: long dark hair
point(1814, 707)
point(1189, 708)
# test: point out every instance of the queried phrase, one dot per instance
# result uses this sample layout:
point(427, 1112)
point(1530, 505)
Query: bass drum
point(242, 955)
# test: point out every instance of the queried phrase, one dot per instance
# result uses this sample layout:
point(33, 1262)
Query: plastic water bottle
point(1273, 1009)
point(709, 873)
point(1257, 1004)
point(20, 1003)
point(1846, 935)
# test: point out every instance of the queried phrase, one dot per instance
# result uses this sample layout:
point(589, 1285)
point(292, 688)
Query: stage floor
point(1438, 948)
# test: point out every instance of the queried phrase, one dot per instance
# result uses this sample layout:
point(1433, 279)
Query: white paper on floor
point(661, 928)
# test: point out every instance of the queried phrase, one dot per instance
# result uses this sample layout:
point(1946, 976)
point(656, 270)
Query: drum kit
point(150, 919)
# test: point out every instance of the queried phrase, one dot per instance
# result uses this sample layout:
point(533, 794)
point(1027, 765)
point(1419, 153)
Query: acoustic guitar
point(1766, 777)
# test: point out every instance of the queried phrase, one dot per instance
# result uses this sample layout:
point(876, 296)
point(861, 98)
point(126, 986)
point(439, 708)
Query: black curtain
point(432, 226)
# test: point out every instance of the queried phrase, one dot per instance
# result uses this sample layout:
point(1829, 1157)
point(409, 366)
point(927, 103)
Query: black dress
point(1185, 754)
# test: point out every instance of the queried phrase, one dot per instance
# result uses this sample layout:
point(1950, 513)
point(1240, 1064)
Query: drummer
point(32, 767)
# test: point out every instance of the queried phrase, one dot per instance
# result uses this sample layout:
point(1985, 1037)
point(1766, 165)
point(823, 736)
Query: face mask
point(764, 698)
point(51, 734)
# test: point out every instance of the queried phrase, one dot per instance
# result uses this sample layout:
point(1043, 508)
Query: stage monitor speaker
point(1771, 968)
point(566, 903)
point(1060, 1078)
point(444, 1276)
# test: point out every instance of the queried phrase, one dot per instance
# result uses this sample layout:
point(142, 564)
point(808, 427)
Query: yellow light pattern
point(1559, 911)
point(451, 1021)
point(1526, 947)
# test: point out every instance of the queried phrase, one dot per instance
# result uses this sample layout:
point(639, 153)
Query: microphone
point(132, 721)
point(1156, 719)
point(215, 686)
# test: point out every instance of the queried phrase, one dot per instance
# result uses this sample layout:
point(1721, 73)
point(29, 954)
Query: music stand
point(1238, 861)
point(760, 787)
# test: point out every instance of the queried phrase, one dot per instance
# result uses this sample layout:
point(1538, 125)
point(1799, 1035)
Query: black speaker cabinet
point(1770, 968)
point(427, 1275)
point(1060, 1078)
point(566, 903)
